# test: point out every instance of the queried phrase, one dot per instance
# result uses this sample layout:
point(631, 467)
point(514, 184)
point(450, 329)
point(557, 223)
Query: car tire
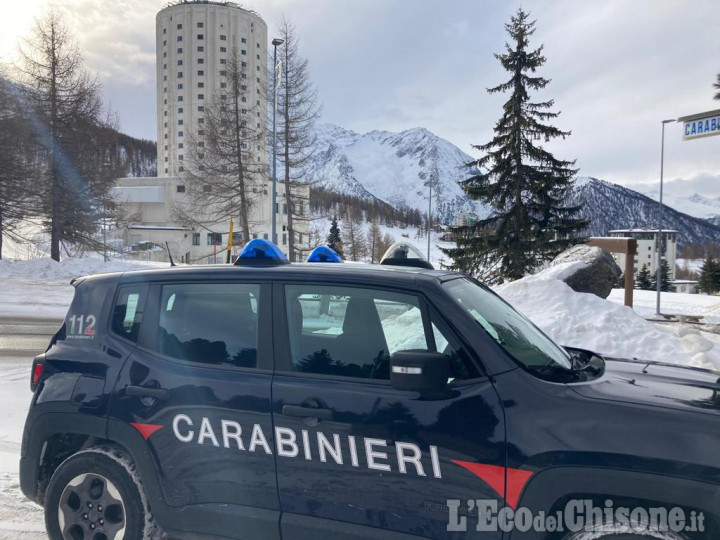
point(96, 495)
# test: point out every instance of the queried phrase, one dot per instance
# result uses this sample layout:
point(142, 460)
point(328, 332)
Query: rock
point(598, 276)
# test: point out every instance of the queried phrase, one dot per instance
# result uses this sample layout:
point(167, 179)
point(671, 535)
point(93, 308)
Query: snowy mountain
point(695, 205)
point(610, 206)
point(394, 168)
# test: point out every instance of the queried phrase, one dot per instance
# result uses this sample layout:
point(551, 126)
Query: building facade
point(195, 40)
point(646, 242)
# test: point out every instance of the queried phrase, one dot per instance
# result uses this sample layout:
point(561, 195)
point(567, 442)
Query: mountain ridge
point(396, 168)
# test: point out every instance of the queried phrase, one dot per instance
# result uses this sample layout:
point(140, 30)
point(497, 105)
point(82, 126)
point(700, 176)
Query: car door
point(356, 456)
point(197, 389)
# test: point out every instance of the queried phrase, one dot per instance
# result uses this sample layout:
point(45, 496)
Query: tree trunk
point(55, 212)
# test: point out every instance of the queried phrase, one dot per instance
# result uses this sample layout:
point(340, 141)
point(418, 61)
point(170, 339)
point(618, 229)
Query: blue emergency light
point(260, 252)
point(323, 254)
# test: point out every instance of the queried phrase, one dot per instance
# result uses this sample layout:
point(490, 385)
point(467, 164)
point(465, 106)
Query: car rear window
point(128, 311)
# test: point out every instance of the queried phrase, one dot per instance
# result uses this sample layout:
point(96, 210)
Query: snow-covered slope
point(610, 206)
point(394, 168)
point(695, 205)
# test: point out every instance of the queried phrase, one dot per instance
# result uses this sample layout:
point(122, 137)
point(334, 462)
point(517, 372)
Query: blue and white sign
point(701, 125)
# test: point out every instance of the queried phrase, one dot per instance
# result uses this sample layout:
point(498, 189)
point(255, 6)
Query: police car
point(268, 400)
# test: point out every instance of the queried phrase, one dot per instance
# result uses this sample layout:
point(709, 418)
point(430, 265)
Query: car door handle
point(307, 412)
point(144, 391)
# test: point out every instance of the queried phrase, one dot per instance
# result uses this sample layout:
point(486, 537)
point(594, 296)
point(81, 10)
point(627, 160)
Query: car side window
point(128, 311)
point(209, 323)
point(352, 332)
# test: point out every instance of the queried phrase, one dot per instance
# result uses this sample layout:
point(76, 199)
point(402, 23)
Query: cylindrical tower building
point(195, 40)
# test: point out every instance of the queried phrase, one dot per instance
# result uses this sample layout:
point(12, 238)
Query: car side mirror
point(420, 371)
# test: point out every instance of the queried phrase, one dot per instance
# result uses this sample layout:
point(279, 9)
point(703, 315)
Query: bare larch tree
point(18, 200)
point(224, 154)
point(75, 133)
point(298, 111)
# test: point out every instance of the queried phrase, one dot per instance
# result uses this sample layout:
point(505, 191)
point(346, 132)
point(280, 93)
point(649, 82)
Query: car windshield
point(520, 338)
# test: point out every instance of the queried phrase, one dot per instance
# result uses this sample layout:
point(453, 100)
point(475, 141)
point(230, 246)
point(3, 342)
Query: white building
point(195, 41)
point(688, 286)
point(465, 219)
point(646, 242)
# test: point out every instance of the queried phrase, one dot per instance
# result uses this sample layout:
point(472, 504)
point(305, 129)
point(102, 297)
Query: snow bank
point(587, 321)
point(41, 287)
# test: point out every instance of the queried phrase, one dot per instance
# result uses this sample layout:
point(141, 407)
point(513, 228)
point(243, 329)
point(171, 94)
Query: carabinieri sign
point(700, 125)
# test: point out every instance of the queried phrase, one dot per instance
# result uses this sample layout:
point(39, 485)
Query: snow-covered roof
point(159, 227)
point(642, 231)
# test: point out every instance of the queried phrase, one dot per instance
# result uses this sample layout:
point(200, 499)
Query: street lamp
point(429, 220)
point(658, 269)
point(276, 85)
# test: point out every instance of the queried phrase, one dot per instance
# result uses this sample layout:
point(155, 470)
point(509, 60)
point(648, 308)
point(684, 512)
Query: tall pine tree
point(643, 278)
point(709, 281)
point(523, 183)
point(334, 240)
point(664, 277)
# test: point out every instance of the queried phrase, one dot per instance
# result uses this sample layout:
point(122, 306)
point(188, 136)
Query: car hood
point(656, 384)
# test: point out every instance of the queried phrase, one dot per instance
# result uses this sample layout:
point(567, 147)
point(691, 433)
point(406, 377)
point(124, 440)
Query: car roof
point(336, 272)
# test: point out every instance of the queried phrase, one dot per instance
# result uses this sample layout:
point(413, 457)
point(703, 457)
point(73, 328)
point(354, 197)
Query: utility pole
point(429, 227)
point(276, 85)
point(659, 243)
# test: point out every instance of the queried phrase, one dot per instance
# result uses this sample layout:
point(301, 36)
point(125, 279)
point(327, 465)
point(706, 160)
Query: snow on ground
point(589, 322)
point(694, 265)
point(19, 518)
point(644, 303)
point(409, 234)
point(41, 287)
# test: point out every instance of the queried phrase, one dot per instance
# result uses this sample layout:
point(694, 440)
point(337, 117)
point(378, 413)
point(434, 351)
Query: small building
point(646, 245)
point(465, 219)
point(687, 286)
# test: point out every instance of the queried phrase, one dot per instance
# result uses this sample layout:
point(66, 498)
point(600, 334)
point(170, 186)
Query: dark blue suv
point(272, 400)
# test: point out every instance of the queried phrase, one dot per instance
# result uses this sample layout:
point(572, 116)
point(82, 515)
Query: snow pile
point(41, 287)
point(589, 322)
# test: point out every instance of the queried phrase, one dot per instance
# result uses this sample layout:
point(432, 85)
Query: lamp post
point(276, 85)
point(659, 243)
point(429, 220)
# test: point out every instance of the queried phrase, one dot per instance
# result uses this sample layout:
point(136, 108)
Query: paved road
point(24, 338)
point(21, 339)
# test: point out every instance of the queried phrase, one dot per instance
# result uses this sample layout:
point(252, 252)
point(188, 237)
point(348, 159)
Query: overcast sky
point(617, 67)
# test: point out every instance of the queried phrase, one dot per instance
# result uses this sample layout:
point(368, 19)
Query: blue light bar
point(324, 254)
point(260, 252)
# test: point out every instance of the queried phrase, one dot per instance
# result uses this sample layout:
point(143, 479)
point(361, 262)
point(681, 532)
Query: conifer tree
point(643, 279)
point(664, 277)
point(709, 281)
point(717, 86)
point(523, 183)
point(334, 241)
